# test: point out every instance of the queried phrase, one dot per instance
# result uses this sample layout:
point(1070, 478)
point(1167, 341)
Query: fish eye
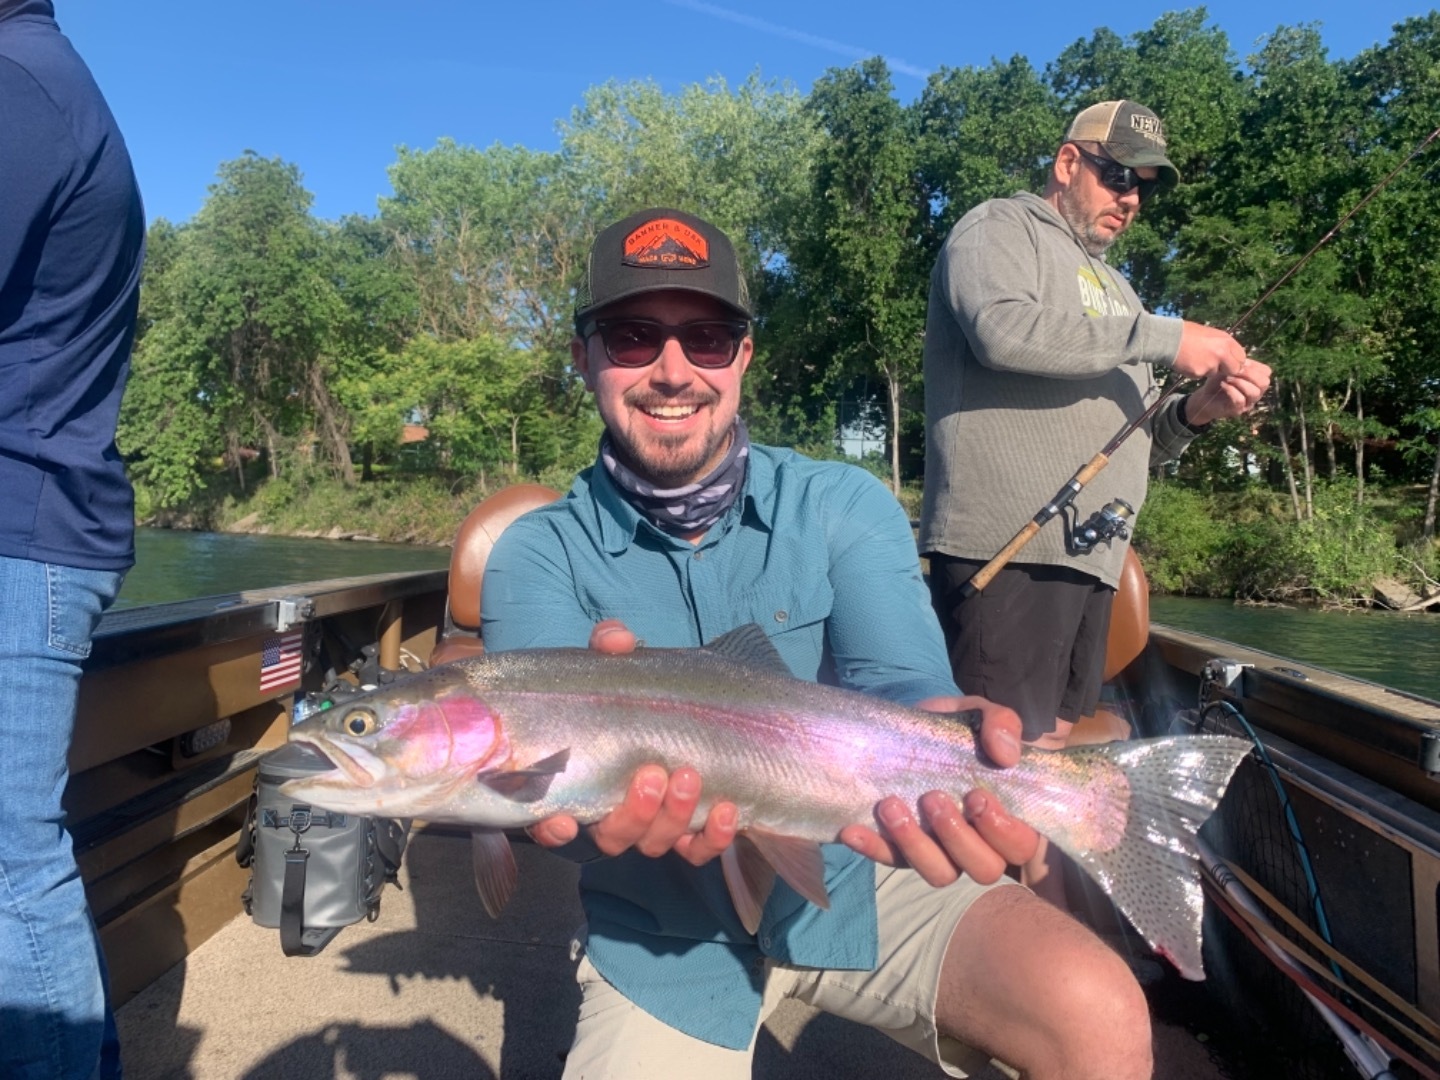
point(360, 722)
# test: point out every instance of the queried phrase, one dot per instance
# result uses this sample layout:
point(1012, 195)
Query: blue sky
point(336, 85)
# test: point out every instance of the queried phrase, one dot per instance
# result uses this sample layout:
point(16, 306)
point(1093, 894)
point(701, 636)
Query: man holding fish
point(682, 531)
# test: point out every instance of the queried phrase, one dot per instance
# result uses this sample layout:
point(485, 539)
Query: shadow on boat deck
point(434, 989)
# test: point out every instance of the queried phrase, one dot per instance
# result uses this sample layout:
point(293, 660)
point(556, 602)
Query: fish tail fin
point(1151, 873)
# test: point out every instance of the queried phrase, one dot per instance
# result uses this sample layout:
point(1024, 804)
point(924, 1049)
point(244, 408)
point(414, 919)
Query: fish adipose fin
point(749, 877)
point(495, 872)
point(750, 645)
point(526, 785)
point(1152, 873)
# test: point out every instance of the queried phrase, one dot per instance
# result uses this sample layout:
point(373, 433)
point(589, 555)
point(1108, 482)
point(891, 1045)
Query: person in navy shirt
point(72, 237)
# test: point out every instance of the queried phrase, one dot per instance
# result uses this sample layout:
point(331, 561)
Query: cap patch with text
point(668, 243)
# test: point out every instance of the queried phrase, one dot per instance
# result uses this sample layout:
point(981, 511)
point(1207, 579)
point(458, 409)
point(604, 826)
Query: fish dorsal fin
point(526, 785)
point(800, 863)
point(495, 872)
point(749, 877)
point(749, 645)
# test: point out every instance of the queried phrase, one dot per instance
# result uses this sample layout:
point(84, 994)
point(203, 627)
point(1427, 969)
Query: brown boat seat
point(1129, 632)
point(1129, 617)
point(473, 543)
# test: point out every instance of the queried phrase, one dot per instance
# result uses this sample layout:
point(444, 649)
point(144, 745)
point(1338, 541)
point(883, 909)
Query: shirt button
point(699, 555)
point(766, 941)
point(781, 615)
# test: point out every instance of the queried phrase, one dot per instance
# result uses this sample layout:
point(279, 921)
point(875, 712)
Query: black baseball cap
point(660, 249)
point(1127, 132)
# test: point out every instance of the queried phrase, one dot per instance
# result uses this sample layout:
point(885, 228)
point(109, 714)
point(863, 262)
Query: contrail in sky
point(829, 45)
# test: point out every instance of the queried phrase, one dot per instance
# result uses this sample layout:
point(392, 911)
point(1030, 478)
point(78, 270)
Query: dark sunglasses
point(1119, 178)
point(635, 342)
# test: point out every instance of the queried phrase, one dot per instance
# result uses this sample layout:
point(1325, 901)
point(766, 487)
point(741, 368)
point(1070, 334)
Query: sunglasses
point(1119, 178)
point(634, 342)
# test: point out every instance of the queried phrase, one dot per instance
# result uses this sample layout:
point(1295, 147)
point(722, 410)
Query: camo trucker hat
point(1128, 132)
point(660, 249)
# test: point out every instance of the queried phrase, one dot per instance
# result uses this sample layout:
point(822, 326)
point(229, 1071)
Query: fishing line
point(1087, 472)
point(1302, 850)
point(1294, 269)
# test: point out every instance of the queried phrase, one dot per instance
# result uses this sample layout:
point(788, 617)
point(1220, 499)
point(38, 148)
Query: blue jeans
point(54, 1010)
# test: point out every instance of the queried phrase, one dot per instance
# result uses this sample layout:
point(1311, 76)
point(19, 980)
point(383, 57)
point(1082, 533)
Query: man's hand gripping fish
point(503, 740)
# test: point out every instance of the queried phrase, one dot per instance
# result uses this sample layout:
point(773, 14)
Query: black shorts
point(1034, 639)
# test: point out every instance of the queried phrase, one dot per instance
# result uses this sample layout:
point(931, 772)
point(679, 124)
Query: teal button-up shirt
point(821, 556)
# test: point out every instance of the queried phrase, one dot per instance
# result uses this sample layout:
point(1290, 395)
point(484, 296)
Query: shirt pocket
point(793, 616)
point(655, 617)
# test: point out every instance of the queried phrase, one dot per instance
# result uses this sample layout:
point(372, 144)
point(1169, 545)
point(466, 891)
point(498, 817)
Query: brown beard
point(667, 466)
point(1091, 239)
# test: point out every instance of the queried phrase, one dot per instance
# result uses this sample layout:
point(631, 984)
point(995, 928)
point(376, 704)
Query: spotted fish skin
point(503, 740)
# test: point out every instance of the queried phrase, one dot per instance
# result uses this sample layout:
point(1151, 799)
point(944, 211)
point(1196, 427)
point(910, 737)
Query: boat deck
point(434, 989)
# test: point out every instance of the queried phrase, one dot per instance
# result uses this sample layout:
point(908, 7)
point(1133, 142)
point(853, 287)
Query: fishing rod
point(1111, 520)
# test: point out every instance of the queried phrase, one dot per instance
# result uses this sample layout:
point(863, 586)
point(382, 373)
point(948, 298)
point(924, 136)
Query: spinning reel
point(1110, 521)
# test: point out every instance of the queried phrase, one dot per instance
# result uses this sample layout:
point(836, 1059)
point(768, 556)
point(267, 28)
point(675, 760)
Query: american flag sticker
point(280, 659)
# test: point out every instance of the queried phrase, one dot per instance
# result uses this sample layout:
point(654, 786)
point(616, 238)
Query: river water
point(174, 565)
point(1402, 651)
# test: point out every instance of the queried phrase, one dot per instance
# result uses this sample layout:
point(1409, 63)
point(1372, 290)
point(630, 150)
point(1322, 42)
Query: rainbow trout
point(502, 740)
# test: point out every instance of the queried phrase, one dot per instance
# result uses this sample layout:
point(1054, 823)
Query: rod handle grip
point(986, 573)
point(1091, 468)
point(983, 576)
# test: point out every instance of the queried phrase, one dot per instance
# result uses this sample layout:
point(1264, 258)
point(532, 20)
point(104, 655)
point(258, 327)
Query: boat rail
point(1389, 736)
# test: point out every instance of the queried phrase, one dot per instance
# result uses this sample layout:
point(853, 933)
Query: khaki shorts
point(617, 1040)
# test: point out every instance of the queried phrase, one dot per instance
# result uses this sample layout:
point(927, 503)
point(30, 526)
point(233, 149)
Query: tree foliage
point(273, 343)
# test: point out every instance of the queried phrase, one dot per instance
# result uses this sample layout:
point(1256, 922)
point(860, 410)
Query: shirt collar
point(616, 518)
point(760, 492)
point(15, 9)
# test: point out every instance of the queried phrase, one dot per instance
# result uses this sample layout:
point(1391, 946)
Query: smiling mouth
point(670, 412)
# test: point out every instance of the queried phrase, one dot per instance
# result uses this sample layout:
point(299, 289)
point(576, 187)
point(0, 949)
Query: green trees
point(236, 347)
point(850, 247)
point(272, 343)
point(1398, 264)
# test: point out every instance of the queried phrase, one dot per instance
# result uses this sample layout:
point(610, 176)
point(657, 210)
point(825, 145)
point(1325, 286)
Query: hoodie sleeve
point(1168, 435)
point(1017, 318)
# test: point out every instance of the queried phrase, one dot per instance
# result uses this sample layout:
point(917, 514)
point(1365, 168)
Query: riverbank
point(1243, 544)
point(1247, 545)
point(396, 509)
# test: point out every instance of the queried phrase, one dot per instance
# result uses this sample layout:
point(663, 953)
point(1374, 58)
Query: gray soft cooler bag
point(312, 872)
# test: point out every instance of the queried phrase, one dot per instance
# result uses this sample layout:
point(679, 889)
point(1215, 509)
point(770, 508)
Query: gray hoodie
point(1036, 354)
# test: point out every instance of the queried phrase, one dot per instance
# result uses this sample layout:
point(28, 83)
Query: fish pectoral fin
point(750, 878)
point(529, 784)
point(800, 863)
point(495, 872)
point(750, 645)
